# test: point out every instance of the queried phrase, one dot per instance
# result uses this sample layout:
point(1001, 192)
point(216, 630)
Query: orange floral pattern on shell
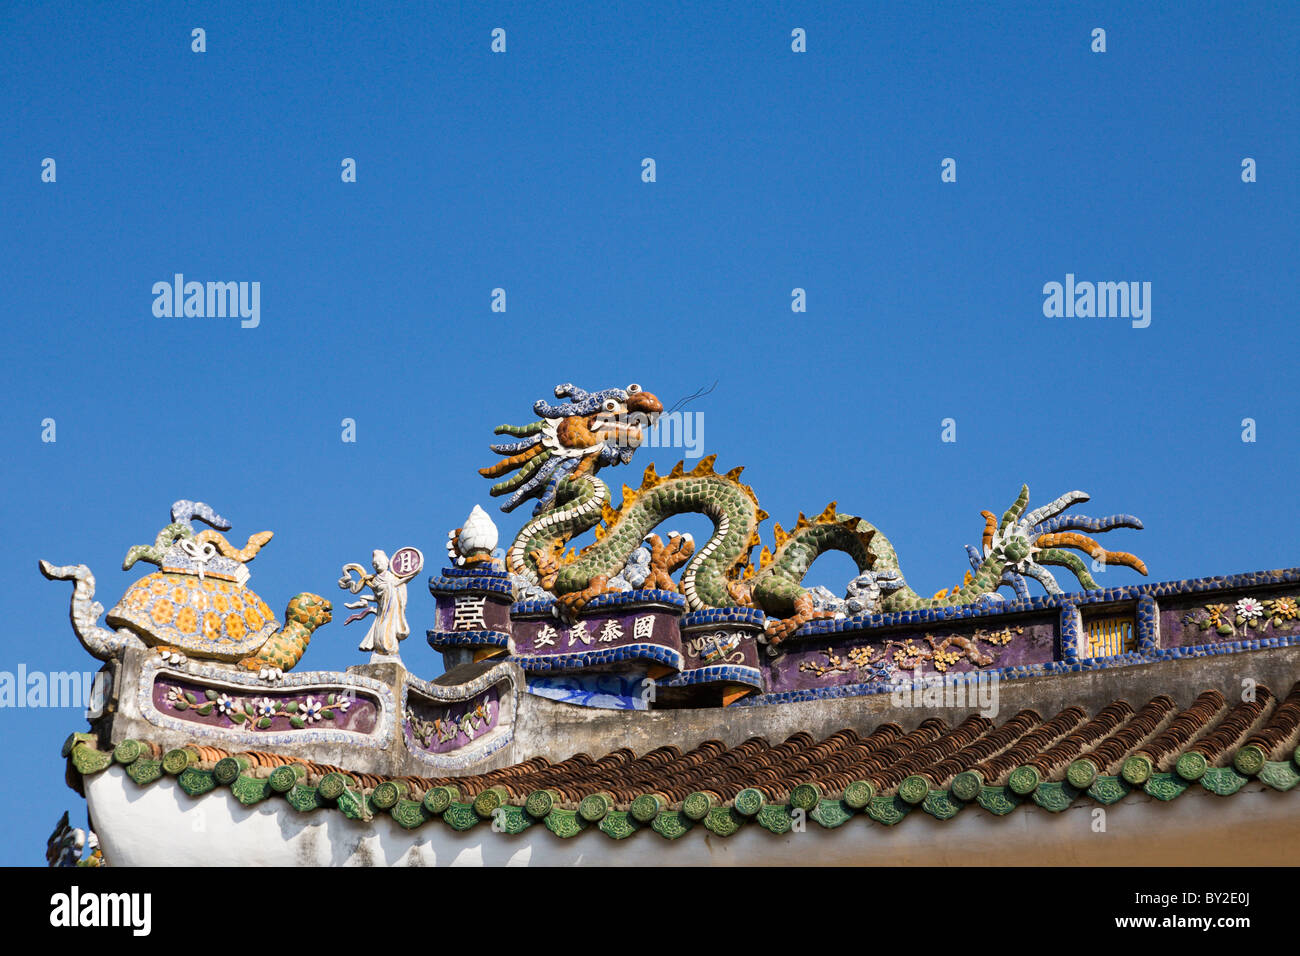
point(187, 620)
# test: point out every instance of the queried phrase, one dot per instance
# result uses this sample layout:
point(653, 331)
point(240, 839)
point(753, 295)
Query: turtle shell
point(211, 618)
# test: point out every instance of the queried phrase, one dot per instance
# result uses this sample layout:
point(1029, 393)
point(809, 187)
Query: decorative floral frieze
point(878, 664)
point(1247, 614)
point(259, 713)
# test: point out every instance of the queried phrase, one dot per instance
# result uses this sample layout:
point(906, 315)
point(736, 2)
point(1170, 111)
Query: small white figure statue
point(388, 603)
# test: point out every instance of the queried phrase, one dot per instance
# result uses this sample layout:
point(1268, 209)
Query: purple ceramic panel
point(327, 708)
point(705, 647)
point(855, 659)
point(438, 728)
point(1228, 617)
point(473, 612)
point(598, 632)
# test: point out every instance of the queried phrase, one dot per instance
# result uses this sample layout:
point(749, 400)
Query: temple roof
point(883, 771)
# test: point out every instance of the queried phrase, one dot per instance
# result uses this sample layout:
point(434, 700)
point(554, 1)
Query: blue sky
point(775, 170)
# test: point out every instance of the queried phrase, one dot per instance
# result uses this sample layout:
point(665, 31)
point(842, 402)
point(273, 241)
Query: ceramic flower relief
point(260, 713)
point(1249, 609)
point(1286, 608)
point(1251, 614)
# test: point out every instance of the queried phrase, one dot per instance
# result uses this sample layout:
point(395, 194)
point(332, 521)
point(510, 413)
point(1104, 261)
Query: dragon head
point(576, 437)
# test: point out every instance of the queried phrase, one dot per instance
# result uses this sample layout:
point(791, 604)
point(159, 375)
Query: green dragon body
point(557, 462)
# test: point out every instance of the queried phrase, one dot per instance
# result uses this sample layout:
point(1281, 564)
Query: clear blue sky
point(775, 170)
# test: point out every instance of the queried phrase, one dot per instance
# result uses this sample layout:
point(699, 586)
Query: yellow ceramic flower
point(1286, 608)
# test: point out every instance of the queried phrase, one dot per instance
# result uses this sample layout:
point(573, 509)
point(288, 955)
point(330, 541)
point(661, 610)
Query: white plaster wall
point(159, 825)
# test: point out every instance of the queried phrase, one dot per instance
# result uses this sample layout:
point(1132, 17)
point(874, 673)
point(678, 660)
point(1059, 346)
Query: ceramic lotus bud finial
point(473, 542)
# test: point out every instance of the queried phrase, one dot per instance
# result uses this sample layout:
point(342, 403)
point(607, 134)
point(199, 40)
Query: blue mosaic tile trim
point(1148, 623)
point(712, 616)
point(614, 599)
point(716, 673)
point(477, 583)
point(1049, 602)
point(1067, 642)
point(1031, 670)
point(474, 573)
point(543, 663)
point(440, 639)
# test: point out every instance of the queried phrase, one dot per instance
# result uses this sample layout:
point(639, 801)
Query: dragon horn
point(247, 553)
point(153, 553)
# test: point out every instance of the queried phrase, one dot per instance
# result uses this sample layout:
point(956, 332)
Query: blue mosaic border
point(713, 616)
point(470, 583)
point(544, 663)
point(441, 639)
point(713, 673)
point(475, 573)
point(669, 599)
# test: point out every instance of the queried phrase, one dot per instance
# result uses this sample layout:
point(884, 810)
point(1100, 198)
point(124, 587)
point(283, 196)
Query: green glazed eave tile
point(1108, 789)
point(1165, 786)
point(888, 810)
point(196, 782)
point(831, 813)
point(409, 814)
point(88, 761)
point(618, 824)
point(302, 798)
point(1280, 775)
point(723, 821)
point(1225, 781)
point(1054, 795)
point(564, 823)
point(250, 790)
point(670, 824)
point(998, 800)
point(460, 816)
point(941, 805)
point(144, 771)
point(355, 806)
point(774, 819)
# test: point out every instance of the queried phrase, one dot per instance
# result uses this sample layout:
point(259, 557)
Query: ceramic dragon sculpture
point(556, 459)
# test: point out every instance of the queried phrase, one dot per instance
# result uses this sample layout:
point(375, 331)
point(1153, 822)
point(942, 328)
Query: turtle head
point(309, 610)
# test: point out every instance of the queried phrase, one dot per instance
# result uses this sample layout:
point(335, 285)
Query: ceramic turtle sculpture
point(197, 605)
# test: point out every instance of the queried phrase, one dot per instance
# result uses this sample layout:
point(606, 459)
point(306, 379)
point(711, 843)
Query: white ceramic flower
point(265, 707)
point(225, 704)
point(1249, 609)
point(311, 709)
